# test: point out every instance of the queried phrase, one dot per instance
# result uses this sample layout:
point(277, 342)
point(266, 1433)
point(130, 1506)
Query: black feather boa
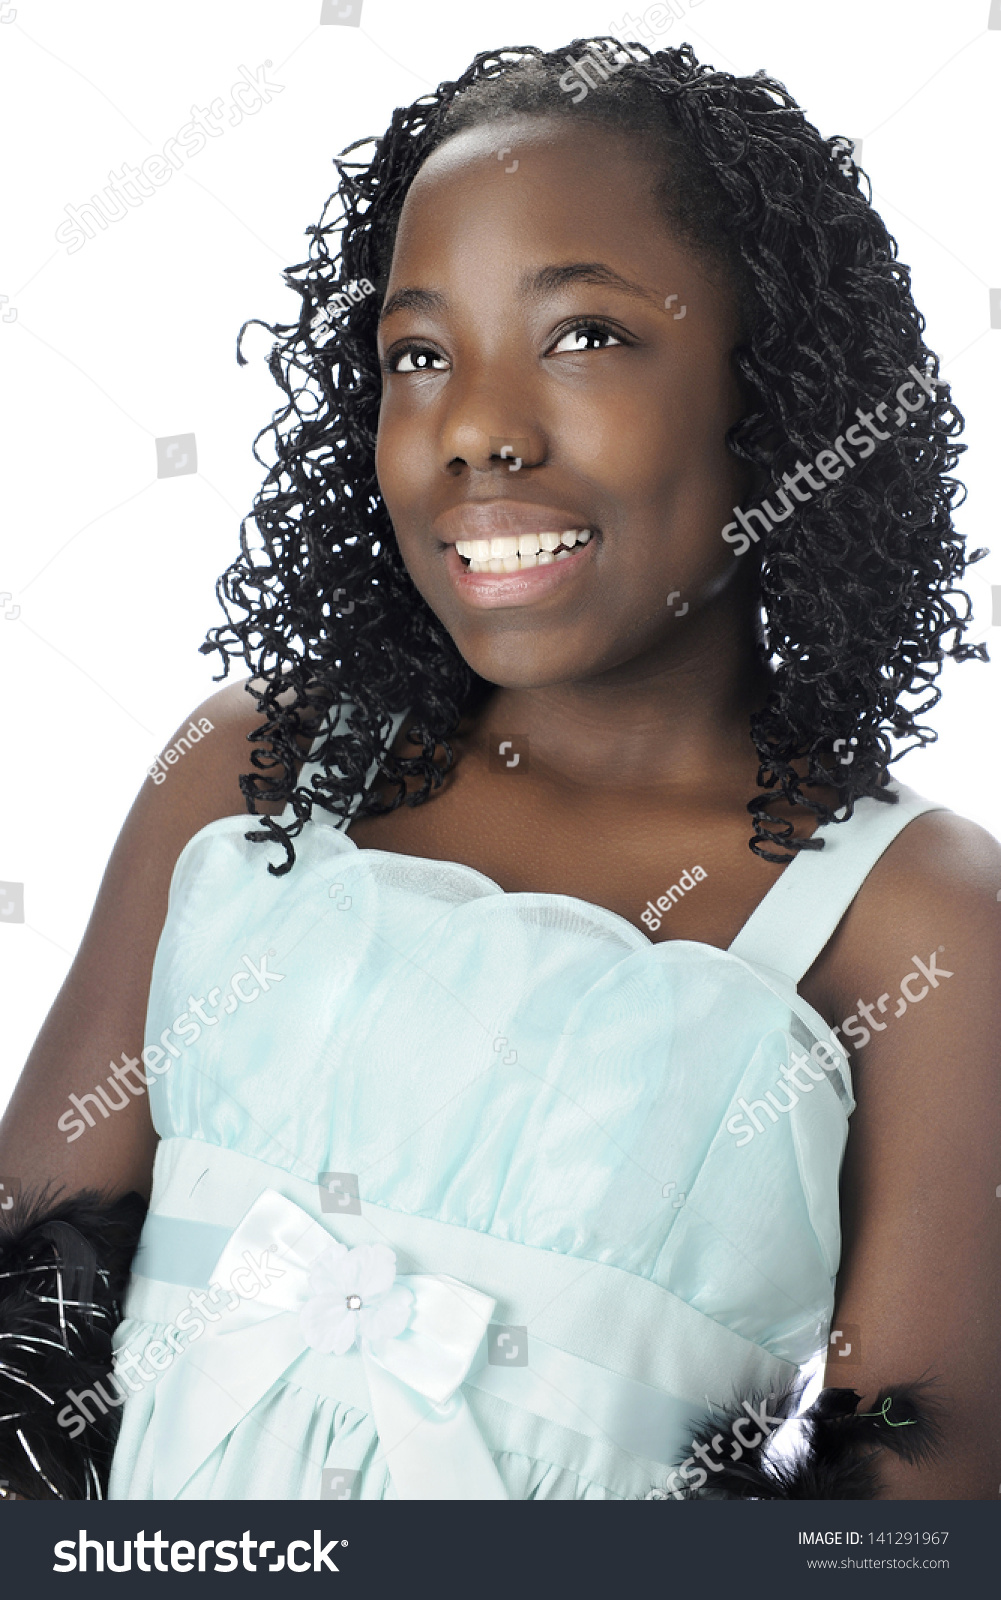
point(836, 1456)
point(64, 1266)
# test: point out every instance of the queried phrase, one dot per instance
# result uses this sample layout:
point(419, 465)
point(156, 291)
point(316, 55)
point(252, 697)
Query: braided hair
point(857, 589)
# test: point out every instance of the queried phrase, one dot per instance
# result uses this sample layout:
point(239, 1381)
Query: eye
point(415, 358)
point(586, 335)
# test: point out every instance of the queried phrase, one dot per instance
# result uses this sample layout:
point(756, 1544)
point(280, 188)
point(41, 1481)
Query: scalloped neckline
point(341, 825)
point(780, 983)
point(541, 896)
point(787, 990)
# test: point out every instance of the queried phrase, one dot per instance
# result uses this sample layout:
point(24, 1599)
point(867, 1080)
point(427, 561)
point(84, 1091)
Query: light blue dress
point(536, 1113)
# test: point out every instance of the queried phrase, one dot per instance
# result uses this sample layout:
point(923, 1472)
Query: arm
point(921, 1258)
point(915, 1412)
point(100, 1011)
point(67, 1240)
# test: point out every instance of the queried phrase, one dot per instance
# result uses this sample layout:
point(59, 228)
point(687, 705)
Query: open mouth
point(516, 552)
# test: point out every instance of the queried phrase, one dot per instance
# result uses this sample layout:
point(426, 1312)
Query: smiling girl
point(464, 1164)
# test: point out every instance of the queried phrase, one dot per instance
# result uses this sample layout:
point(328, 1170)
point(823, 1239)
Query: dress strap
point(802, 909)
point(309, 766)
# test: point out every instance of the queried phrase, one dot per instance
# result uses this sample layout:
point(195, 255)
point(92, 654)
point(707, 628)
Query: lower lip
point(514, 588)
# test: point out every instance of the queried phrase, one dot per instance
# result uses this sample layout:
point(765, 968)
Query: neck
point(675, 717)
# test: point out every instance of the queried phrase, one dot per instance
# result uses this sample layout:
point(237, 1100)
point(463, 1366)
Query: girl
point(500, 1075)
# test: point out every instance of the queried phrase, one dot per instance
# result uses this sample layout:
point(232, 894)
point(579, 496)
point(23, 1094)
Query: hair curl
point(857, 588)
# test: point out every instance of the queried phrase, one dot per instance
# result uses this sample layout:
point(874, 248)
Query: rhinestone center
point(353, 1302)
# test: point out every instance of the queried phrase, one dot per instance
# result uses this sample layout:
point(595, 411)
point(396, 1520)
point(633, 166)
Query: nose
point(491, 427)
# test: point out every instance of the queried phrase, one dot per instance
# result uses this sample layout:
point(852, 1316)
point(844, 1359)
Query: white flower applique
point(353, 1295)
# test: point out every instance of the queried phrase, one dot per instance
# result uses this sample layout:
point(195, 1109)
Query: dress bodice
point(525, 1070)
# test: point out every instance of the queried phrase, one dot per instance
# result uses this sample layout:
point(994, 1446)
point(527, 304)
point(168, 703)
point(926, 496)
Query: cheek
point(390, 460)
point(402, 468)
point(641, 443)
point(404, 437)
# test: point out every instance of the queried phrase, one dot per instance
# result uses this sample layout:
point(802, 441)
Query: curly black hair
point(857, 589)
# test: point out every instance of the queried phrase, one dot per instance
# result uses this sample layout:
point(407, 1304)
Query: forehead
point(534, 177)
point(537, 190)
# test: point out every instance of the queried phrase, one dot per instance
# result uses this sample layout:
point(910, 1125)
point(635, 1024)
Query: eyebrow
point(534, 285)
point(413, 300)
point(550, 279)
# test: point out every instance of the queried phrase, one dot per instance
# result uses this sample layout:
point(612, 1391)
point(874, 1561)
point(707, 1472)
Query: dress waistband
point(592, 1347)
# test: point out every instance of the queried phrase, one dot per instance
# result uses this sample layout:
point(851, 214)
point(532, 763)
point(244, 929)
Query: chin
point(512, 668)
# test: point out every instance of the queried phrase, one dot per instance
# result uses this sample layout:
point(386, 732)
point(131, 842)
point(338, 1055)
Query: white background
point(133, 337)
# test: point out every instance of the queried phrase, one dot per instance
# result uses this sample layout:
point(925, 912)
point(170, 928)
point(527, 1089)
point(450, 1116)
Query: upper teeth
point(522, 544)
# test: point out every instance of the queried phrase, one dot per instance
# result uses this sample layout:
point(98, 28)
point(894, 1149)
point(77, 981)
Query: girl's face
point(553, 360)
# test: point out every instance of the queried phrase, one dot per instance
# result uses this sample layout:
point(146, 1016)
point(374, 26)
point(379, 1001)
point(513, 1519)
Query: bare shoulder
point(943, 852)
point(936, 885)
point(195, 781)
point(98, 1016)
point(199, 768)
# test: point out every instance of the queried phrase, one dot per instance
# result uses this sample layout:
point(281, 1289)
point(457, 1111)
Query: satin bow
point(428, 1437)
